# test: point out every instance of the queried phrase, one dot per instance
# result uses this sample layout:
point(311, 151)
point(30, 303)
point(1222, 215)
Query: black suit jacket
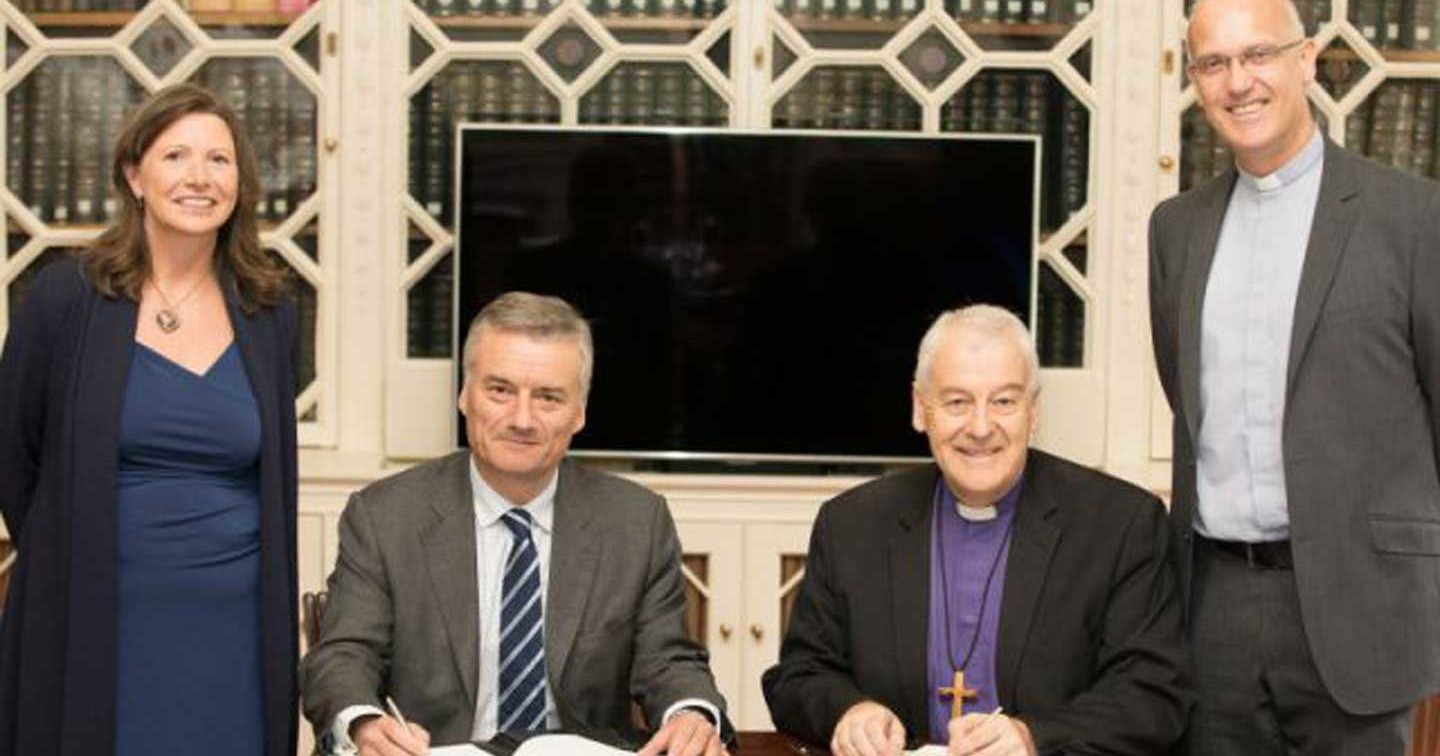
point(1090, 651)
point(1361, 432)
point(62, 387)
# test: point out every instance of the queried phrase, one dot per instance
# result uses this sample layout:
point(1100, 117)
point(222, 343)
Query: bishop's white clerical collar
point(976, 514)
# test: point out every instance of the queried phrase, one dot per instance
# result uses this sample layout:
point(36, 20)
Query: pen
point(395, 712)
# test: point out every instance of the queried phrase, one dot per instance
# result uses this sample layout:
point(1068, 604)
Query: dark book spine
point(1422, 156)
point(305, 128)
point(259, 122)
point(1404, 141)
point(1005, 103)
point(440, 295)
point(1382, 126)
point(19, 118)
point(1357, 128)
point(417, 305)
point(117, 84)
point(876, 101)
point(62, 144)
point(979, 106)
point(1034, 102)
point(1395, 26)
point(437, 116)
point(1074, 156)
point(486, 89)
point(824, 103)
point(1015, 12)
point(617, 95)
point(286, 187)
point(850, 100)
point(642, 94)
point(1365, 14)
point(89, 171)
point(1422, 24)
point(42, 182)
point(792, 112)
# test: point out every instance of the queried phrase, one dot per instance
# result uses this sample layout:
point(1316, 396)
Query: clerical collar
point(981, 514)
point(1287, 174)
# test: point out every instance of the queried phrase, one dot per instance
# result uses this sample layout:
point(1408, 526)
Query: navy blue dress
point(188, 541)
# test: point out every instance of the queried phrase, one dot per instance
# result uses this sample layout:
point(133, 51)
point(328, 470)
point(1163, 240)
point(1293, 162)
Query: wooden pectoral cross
point(958, 695)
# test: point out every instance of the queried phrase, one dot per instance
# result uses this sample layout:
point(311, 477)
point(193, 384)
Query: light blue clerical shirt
point(1245, 348)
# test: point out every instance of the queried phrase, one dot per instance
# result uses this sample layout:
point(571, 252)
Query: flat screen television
point(753, 295)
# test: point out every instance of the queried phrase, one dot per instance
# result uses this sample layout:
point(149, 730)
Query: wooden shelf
point(624, 23)
point(117, 19)
point(1390, 55)
point(888, 26)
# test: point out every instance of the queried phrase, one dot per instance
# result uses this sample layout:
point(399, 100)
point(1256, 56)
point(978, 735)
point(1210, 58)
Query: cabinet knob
point(331, 144)
point(1167, 163)
point(759, 56)
point(725, 631)
point(756, 631)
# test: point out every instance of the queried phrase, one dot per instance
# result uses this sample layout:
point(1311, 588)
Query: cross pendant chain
point(958, 694)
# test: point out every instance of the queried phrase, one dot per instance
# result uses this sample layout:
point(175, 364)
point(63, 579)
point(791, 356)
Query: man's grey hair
point(539, 317)
point(986, 320)
point(1290, 10)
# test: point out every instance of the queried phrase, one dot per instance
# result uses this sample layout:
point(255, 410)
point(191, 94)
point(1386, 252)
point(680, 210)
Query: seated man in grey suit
point(506, 589)
point(1046, 584)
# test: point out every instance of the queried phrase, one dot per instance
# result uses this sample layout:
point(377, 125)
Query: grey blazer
point(1362, 417)
point(402, 616)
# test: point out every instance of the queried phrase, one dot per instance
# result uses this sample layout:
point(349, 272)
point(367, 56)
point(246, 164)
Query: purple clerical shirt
point(963, 556)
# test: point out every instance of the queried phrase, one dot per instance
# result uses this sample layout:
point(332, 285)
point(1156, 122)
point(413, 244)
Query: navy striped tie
point(522, 636)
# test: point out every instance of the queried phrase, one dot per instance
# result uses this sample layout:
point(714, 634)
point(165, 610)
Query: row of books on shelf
point(1403, 24)
point(1032, 102)
point(669, 94)
point(1397, 126)
point(62, 120)
point(848, 98)
point(287, 7)
point(965, 11)
point(640, 8)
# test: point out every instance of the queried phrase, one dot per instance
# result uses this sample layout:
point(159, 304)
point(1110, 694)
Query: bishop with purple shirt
point(1046, 583)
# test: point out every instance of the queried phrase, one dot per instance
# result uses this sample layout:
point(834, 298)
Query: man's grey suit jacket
point(1362, 417)
point(402, 615)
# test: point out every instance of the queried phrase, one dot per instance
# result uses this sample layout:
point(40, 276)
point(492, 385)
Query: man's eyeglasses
point(1252, 59)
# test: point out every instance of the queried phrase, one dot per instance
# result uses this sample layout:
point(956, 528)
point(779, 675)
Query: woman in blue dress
point(147, 466)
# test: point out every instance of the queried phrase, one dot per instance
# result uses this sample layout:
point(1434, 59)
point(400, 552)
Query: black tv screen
point(750, 294)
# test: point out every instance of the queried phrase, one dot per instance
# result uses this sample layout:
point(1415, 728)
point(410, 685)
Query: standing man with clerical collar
point(1043, 588)
point(1295, 311)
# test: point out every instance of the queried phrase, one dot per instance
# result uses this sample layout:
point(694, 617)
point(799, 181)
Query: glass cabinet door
point(75, 68)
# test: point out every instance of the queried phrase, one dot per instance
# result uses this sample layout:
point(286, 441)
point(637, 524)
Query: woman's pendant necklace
point(168, 317)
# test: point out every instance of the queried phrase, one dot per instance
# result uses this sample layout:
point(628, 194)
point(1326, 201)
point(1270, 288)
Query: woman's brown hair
point(119, 261)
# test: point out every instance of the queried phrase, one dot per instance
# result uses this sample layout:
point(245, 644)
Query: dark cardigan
point(62, 384)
